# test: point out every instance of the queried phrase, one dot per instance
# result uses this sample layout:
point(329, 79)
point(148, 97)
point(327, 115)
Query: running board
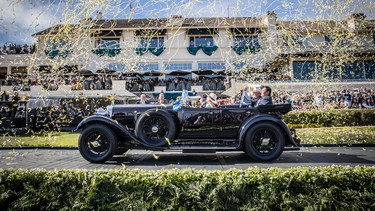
point(206, 141)
point(201, 148)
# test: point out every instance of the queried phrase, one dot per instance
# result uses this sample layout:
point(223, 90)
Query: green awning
point(155, 51)
point(208, 50)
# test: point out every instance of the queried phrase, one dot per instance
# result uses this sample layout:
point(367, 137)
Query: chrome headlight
point(101, 111)
point(109, 110)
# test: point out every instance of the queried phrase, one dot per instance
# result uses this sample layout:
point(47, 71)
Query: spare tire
point(155, 127)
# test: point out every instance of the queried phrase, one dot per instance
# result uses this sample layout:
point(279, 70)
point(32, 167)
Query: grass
point(55, 139)
point(323, 135)
point(337, 135)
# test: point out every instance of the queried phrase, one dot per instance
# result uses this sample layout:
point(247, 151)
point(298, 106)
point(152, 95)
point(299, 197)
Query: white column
point(195, 65)
point(291, 69)
point(9, 70)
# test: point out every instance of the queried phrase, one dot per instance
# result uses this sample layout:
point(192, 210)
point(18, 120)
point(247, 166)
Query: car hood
point(136, 108)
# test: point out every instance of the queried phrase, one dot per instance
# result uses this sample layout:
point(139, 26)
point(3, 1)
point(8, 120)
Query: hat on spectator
point(212, 96)
point(204, 96)
point(257, 89)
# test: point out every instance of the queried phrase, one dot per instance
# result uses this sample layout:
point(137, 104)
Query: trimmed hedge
point(305, 188)
point(328, 118)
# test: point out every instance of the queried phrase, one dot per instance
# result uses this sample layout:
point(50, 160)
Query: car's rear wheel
point(155, 127)
point(264, 142)
point(97, 143)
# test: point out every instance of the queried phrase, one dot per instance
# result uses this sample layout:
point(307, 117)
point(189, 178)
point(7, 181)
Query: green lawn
point(326, 135)
point(337, 135)
point(64, 139)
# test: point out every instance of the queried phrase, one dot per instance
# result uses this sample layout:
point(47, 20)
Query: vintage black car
point(260, 132)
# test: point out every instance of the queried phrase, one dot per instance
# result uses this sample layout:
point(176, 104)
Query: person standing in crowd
point(347, 98)
point(266, 98)
point(4, 96)
point(212, 101)
point(367, 103)
point(203, 101)
point(142, 100)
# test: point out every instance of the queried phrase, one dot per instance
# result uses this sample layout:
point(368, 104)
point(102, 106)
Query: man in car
point(266, 98)
point(256, 95)
point(212, 101)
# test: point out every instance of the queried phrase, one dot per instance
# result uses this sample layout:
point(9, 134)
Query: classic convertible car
point(259, 132)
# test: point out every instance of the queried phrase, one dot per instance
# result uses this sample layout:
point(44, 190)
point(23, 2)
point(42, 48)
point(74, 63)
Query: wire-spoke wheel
point(97, 143)
point(155, 127)
point(264, 142)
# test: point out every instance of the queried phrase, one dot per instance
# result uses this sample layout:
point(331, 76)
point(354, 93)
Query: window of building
point(239, 66)
point(116, 67)
point(178, 66)
point(108, 43)
point(304, 70)
point(336, 40)
point(243, 41)
point(54, 45)
point(369, 69)
point(211, 65)
point(307, 70)
point(151, 42)
point(148, 66)
point(301, 41)
point(353, 70)
point(202, 41)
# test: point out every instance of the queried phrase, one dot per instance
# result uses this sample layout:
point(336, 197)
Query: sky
point(19, 19)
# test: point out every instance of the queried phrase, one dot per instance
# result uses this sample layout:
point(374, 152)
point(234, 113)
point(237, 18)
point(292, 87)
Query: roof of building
point(249, 22)
point(323, 26)
point(57, 28)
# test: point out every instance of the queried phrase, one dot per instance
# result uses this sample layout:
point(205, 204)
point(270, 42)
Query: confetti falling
point(259, 42)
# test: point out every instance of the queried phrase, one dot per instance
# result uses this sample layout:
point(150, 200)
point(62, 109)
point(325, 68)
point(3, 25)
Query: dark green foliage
point(331, 118)
point(328, 188)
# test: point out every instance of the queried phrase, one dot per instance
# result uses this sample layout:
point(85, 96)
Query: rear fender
point(118, 128)
point(268, 118)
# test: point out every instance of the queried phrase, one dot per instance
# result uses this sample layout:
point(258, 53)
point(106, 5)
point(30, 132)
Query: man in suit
point(266, 98)
point(142, 100)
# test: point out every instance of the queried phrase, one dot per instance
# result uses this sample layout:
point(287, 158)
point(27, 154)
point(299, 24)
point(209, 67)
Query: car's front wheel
point(264, 142)
point(97, 143)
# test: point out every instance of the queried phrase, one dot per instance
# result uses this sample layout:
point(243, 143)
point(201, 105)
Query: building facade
point(246, 48)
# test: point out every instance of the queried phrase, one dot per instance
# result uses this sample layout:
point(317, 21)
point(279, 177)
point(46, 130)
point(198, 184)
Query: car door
point(200, 123)
point(232, 119)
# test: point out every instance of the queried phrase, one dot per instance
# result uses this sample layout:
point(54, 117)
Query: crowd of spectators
point(11, 48)
point(52, 82)
point(176, 84)
point(104, 82)
point(348, 98)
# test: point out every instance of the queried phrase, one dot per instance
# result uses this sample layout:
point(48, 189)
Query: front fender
point(269, 118)
point(118, 128)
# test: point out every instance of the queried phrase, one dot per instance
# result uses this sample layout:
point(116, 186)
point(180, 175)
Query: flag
point(131, 9)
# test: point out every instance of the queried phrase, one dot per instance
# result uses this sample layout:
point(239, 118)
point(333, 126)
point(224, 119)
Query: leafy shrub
point(327, 188)
point(328, 118)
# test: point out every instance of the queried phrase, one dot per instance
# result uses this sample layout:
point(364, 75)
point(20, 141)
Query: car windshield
point(40, 103)
point(245, 99)
point(183, 101)
point(184, 98)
